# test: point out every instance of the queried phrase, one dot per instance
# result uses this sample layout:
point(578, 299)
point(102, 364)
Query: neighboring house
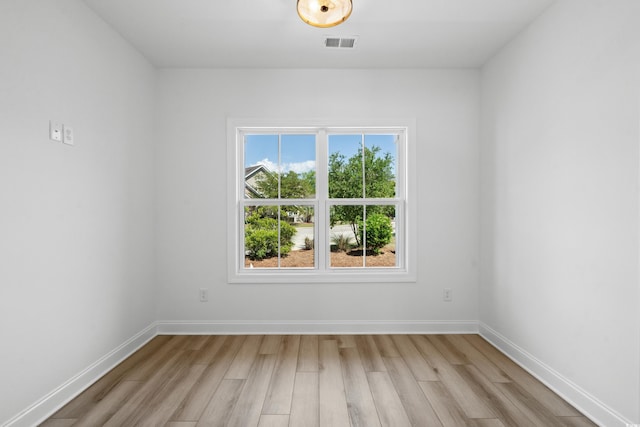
point(252, 175)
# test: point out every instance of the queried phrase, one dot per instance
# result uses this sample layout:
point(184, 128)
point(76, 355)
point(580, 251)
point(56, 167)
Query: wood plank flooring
point(318, 381)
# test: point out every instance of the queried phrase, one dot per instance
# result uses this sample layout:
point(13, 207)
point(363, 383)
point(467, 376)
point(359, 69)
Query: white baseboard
point(591, 407)
point(49, 404)
point(316, 327)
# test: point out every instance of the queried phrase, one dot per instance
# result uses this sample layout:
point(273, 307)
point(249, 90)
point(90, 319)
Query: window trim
point(407, 204)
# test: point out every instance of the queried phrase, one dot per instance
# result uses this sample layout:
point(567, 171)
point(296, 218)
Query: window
point(319, 203)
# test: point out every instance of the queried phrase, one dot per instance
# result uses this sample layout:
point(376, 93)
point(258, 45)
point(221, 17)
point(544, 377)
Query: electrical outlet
point(204, 295)
point(447, 295)
point(55, 131)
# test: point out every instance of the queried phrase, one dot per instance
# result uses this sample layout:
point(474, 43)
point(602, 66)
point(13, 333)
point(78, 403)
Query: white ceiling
point(269, 33)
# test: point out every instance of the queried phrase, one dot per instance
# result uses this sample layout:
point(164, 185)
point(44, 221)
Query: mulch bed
point(304, 258)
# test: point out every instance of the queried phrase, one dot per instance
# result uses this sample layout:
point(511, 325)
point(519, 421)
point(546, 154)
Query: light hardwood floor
point(311, 380)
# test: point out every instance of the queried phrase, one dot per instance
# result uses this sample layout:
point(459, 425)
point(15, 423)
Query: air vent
point(332, 42)
point(340, 42)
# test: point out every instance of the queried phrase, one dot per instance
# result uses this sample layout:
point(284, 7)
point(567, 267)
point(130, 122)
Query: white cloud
point(301, 167)
point(297, 167)
point(268, 164)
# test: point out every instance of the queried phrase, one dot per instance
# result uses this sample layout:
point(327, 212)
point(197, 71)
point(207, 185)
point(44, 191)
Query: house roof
point(249, 171)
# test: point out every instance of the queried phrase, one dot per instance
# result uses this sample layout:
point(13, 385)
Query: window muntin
point(318, 207)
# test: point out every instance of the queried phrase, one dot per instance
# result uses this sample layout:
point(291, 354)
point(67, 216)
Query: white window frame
point(322, 273)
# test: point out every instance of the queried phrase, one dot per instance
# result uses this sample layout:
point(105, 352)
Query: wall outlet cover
point(55, 131)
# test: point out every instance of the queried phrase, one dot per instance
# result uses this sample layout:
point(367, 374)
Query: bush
point(261, 237)
point(260, 244)
point(341, 242)
point(308, 243)
point(379, 231)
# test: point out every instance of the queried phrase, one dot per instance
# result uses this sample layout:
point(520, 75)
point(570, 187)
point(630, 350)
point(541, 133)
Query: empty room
point(320, 213)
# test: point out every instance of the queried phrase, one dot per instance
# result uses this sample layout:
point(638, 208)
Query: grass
point(303, 225)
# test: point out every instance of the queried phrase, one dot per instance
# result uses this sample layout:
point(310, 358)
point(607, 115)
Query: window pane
point(260, 166)
point(302, 254)
point(298, 166)
point(346, 250)
point(345, 166)
point(378, 235)
point(266, 237)
point(381, 153)
point(278, 237)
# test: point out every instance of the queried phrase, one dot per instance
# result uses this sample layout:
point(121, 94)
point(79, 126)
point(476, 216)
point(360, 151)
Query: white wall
point(193, 109)
point(559, 211)
point(559, 164)
point(76, 223)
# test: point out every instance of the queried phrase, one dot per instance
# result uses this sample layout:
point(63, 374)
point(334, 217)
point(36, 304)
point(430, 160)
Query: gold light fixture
point(324, 13)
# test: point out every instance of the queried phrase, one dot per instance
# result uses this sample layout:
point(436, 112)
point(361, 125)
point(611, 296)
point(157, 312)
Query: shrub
point(308, 243)
point(341, 242)
point(260, 244)
point(261, 237)
point(379, 231)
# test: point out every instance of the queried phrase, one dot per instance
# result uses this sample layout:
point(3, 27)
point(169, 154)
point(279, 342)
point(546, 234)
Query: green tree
point(309, 186)
point(309, 182)
point(346, 181)
point(292, 186)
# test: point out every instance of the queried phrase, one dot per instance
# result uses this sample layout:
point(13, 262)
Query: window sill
point(372, 275)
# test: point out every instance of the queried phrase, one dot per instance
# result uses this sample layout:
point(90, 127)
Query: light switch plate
point(68, 135)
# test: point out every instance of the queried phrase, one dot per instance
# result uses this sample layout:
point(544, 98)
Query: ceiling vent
point(340, 42)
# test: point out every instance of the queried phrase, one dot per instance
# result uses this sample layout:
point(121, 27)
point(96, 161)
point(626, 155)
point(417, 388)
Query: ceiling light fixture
point(324, 13)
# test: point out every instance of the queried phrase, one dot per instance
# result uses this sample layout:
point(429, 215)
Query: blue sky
point(299, 152)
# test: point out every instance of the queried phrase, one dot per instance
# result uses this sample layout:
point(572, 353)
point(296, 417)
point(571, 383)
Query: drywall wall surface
point(76, 229)
point(194, 106)
point(559, 165)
